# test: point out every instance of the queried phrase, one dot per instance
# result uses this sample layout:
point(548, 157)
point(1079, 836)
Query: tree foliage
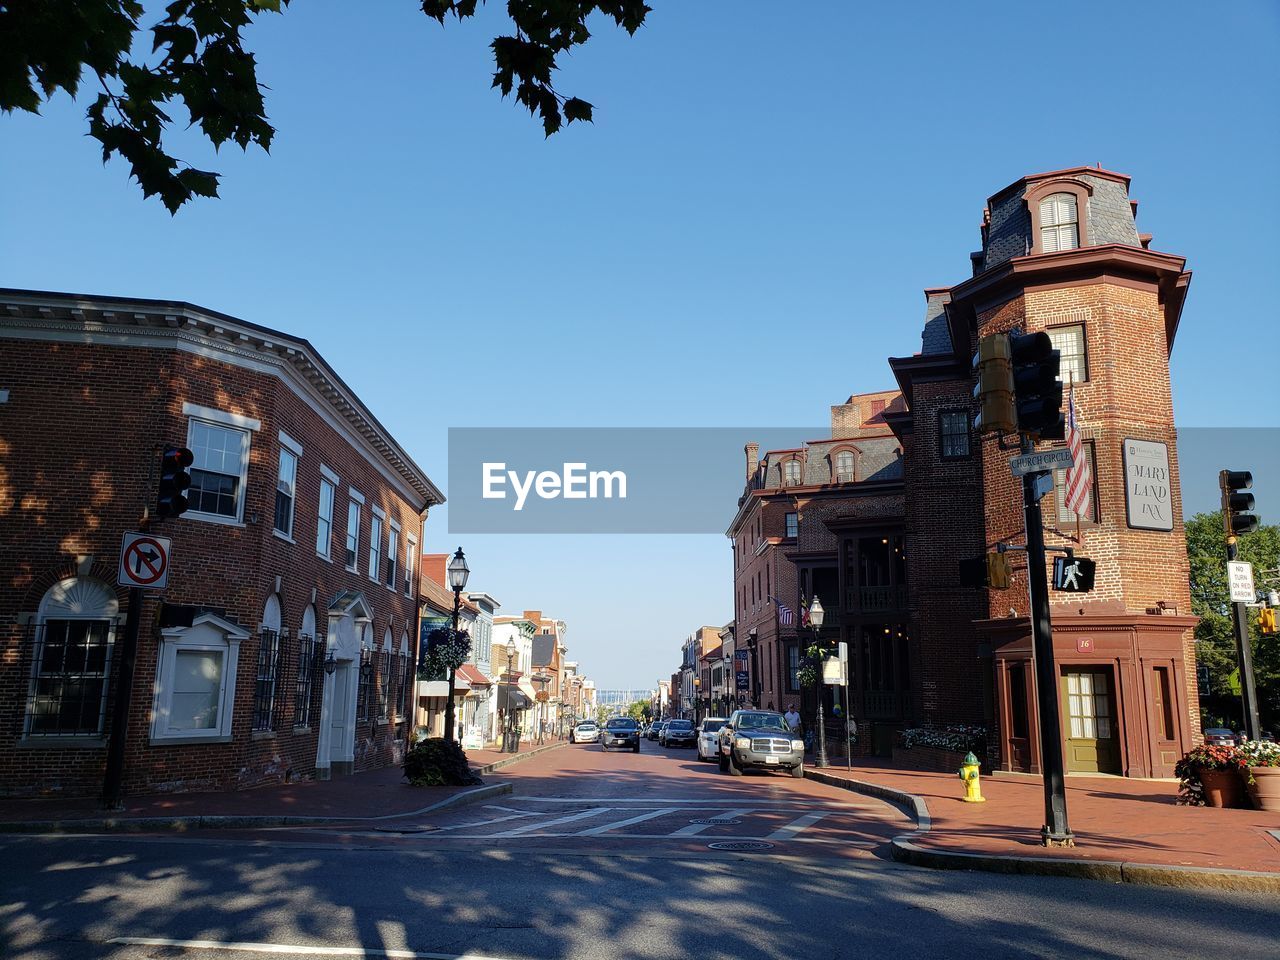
point(1215, 637)
point(198, 61)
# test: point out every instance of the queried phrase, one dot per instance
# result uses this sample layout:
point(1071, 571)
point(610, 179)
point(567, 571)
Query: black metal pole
point(1055, 832)
point(126, 654)
point(820, 760)
point(448, 706)
point(1248, 692)
point(754, 643)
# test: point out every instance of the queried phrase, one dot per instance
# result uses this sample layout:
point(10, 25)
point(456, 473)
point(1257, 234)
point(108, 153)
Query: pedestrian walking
point(792, 719)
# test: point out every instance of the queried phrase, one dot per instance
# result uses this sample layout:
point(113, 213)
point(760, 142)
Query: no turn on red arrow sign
point(144, 561)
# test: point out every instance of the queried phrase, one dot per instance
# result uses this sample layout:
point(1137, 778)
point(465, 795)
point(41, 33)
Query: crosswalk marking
point(605, 828)
point(795, 826)
point(518, 831)
point(696, 828)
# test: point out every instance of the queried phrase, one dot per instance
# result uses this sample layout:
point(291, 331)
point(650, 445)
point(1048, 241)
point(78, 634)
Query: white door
point(341, 730)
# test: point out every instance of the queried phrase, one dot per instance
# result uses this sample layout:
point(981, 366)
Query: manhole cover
point(725, 820)
point(740, 845)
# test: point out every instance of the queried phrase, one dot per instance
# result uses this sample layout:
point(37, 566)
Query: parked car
point(1220, 737)
point(759, 739)
point(655, 729)
point(585, 732)
point(621, 732)
point(678, 733)
point(708, 731)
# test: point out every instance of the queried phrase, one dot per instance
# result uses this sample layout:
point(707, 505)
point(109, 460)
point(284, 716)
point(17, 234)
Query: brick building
point(1061, 253)
point(283, 646)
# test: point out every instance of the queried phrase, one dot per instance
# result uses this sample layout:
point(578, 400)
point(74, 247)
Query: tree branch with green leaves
point(198, 61)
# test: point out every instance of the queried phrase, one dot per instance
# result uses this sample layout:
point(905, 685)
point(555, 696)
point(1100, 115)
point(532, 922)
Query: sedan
point(655, 729)
point(1220, 737)
point(585, 732)
point(707, 737)
point(621, 732)
point(678, 733)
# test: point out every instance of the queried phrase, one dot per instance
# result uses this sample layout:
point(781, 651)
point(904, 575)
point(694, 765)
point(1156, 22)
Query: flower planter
point(931, 759)
point(1265, 789)
point(1222, 788)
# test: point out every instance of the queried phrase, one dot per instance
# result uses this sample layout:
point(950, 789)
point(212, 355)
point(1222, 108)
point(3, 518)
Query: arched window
point(308, 660)
point(366, 673)
point(406, 676)
point(844, 466)
point(1059, 223)
point(266, 699)
point(75, 632)
point(385, 675)
point(791, 472)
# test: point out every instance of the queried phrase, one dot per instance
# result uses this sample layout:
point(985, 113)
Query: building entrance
point(1091, 732)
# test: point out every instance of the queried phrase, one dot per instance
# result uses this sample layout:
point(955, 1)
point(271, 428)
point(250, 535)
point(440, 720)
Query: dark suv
point(759, 738)
point(620, 732)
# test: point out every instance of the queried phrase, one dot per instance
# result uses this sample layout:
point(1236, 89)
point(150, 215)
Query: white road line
point(485, 823)
point(605, 828)
point(708, 803)
point(695, 828)
point(795, 826)
point(519, 831)
point(297, 948)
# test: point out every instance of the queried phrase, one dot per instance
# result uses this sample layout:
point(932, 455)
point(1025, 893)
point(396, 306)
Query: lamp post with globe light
point(458, 573)
point(816, 616)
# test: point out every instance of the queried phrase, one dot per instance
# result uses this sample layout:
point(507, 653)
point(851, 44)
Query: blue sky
point(741, 237)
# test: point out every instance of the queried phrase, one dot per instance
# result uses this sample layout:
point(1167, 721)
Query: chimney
point(753, 459)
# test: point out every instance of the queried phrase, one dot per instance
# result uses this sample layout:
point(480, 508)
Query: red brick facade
point(94, 385)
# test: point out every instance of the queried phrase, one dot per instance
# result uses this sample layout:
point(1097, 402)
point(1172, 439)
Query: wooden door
point(1092, 738)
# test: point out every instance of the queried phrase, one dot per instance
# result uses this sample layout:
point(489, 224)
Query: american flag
point(786, 616)
point(1079, 490)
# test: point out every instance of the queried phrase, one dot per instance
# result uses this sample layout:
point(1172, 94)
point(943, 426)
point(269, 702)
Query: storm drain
point(728, 821)
point(740, 845)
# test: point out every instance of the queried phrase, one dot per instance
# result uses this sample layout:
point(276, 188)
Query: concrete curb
point(516, 758)
point(231, 822)
point(904, 850)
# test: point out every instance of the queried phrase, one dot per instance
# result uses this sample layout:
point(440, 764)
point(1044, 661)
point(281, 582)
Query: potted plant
point(1261, 759)
point(1211, 776)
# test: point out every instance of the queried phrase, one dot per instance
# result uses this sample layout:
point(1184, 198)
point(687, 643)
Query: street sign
point(144, 561)
point(1240, 578)
point(835, 669)
point(1059, 458)
point(1073, 574)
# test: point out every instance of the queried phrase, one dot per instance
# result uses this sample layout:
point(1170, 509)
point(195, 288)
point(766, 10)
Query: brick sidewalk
point(375, 793)
point(1113, 819)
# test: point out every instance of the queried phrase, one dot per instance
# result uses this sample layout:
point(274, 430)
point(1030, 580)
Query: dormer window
point(844, 467)
point(1059, 223)
point(791, 473)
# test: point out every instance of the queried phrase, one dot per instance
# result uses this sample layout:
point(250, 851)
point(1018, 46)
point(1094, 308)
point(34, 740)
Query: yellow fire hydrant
point(969, 773)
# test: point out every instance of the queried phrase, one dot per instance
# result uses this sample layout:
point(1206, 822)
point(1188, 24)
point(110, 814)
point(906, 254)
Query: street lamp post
point(816, 616)
point(506, 718)
point(753, 644)
point(458, 573)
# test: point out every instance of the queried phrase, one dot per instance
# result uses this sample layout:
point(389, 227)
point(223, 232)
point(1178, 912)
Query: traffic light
point(1267, 620)
point(174, 480)
point(1235, 505)
point(1037, 390)
point(991, 570)
point(994, 390)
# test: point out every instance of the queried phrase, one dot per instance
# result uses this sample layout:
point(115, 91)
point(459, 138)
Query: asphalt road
point(565, 876)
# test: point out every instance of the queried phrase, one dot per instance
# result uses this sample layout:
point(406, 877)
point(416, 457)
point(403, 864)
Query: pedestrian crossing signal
point(1073, 574)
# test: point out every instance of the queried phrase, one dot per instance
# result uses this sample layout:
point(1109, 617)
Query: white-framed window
point(411, 548)
point(791, 472)
point(385, 677)
point(793, 525)
point(286, 485)
point(844, 466)
point(375, 544)
point(406, 677)
point(1069, 342)
point(1059, 223)
point(71, 662)
point(324, 512)
point(196, 681)
point(219, 471)
point(393, 555)
point(353, 532)
point(1068, 517)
